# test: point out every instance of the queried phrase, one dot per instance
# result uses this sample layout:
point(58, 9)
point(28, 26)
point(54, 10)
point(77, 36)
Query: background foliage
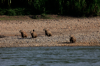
point(61, 7)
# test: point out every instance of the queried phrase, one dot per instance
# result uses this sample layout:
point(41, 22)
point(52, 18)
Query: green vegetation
point(40, 7)
point(4, 18)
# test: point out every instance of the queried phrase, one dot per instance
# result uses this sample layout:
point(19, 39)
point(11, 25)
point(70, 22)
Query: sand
point(86, 31)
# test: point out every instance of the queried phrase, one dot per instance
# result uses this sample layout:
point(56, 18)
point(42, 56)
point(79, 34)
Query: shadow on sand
point(26, 38)
point(64, 43)
point(2, 36)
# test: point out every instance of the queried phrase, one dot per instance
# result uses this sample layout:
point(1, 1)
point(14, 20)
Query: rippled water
point(50, 56)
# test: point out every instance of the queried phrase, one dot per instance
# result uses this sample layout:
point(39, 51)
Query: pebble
point(58, 38)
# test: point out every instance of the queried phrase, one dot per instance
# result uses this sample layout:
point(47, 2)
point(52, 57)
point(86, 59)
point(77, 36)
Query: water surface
point(50, 56)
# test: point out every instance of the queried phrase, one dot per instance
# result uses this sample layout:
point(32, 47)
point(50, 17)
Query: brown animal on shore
point(2, 36)
point(47, 32)
point(33, 34)
point(72, 39)
point(23, 34)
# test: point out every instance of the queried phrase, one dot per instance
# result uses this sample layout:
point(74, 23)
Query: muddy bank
point(48, 44)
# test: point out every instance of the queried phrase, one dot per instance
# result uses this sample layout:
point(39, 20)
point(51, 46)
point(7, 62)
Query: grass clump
point(11, 12)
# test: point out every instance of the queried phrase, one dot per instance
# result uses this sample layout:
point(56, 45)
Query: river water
point(50, 56)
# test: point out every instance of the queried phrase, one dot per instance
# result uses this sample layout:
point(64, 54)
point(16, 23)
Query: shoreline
point(85, 30)
point(54, 44)
point(43, 42)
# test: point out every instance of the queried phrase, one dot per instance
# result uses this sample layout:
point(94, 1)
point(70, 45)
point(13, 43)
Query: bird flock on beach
point(48, 33)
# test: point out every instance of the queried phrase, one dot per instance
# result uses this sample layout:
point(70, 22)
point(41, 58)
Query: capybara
point(47, 32)
point(23, 34)
point(72, 39)
point(33, 34)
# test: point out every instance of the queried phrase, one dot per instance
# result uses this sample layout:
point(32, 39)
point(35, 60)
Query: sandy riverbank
point(85, 30)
